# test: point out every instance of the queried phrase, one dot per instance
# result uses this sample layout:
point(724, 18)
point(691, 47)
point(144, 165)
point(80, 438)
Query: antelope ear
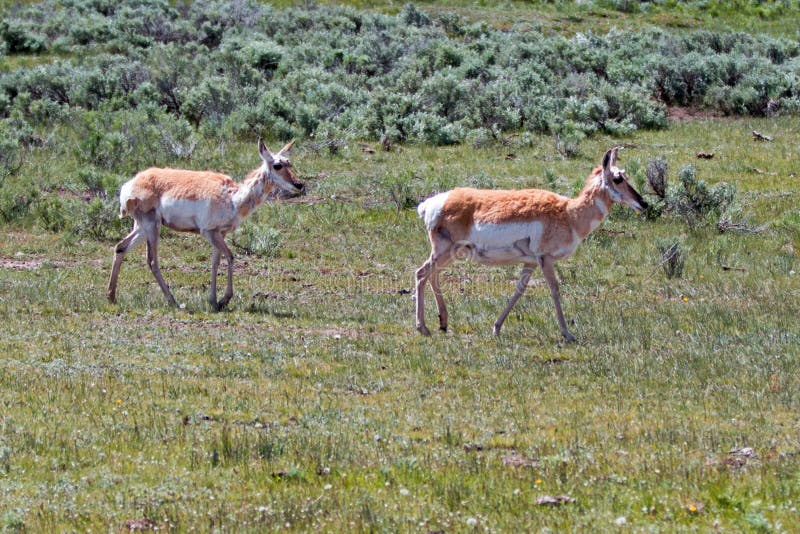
point(288, 147)
point(607, 163)
point(609, 160)
point(266, 155)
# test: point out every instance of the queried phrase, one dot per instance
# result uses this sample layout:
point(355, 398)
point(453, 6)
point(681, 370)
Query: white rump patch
point(124, 196)
point(431, 209)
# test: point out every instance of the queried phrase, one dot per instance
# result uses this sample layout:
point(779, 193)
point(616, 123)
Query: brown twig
point(730, 268)
point(757, 136)
point(759, 171)
point(727, 226)
point(623, 233)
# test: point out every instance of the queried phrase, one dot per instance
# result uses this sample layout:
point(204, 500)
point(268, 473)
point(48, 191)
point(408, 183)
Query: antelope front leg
point(119, 254)
point(522, 284)
point(546, 262)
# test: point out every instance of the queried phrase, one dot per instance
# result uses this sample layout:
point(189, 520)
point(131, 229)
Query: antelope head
point(616, 181)
point(278, 170)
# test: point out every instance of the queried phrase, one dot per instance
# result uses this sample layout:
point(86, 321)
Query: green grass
point(568, 17)
point(312, 403)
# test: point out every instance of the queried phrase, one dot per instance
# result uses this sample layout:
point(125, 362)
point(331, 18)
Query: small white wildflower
point(471, 521)
point(621, 521)
point(327, 486)
point(404, 492)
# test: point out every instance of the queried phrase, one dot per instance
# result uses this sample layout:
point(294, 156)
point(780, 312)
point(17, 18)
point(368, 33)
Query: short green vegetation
point(311, 403)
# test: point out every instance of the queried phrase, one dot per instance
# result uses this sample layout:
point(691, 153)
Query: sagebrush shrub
point(694, 200)
point(261, 241)
point(656, 170)
point(414, 17)
point(401, 193)
point(51, 214)
point(211, 100)
point(672, 257)
point(20, 36)
point(98, 219)
point(238, 69)
point(431, 128)
point(16, 199)
point(11, 155)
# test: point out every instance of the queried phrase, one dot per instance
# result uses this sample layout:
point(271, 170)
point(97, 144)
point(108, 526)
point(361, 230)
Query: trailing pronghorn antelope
point(202, 202)
point(528, 226)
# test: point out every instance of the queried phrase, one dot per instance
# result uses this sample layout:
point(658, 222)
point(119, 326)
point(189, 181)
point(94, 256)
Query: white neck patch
point(601, 206)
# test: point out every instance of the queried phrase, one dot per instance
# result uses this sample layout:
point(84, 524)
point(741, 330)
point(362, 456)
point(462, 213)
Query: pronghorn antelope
point(527, 226)
point(202, 202)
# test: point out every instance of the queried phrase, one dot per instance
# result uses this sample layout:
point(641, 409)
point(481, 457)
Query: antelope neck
point(590, 207)
point(250, 194)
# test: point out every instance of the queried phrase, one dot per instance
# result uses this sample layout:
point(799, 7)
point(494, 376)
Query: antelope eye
point(617, 179)
point(277, 166)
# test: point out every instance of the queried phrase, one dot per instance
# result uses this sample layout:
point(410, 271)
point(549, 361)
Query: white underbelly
point(195, 215)
point(499, 236)
point(502, 244)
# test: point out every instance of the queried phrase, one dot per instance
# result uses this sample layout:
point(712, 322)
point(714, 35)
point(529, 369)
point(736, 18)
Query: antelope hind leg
point(522, 284)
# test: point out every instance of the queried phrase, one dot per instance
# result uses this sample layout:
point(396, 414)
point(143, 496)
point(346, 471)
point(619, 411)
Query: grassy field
point(312, 402)
point(567, 17)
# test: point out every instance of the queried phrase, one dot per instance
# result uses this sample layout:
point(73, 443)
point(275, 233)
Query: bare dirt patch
point(21, 264)
point(684, 114)
point(24, 263)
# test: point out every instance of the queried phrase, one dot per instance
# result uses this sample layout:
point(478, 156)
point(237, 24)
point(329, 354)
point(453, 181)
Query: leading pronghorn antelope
point(202, 202)
point(528, 226)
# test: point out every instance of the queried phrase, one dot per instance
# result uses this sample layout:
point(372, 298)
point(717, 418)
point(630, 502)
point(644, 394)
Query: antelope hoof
point(443, 327)
point(569, 338)
point(218, 306)
point(496, 329)
point(423, 330)
point(112, 298)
